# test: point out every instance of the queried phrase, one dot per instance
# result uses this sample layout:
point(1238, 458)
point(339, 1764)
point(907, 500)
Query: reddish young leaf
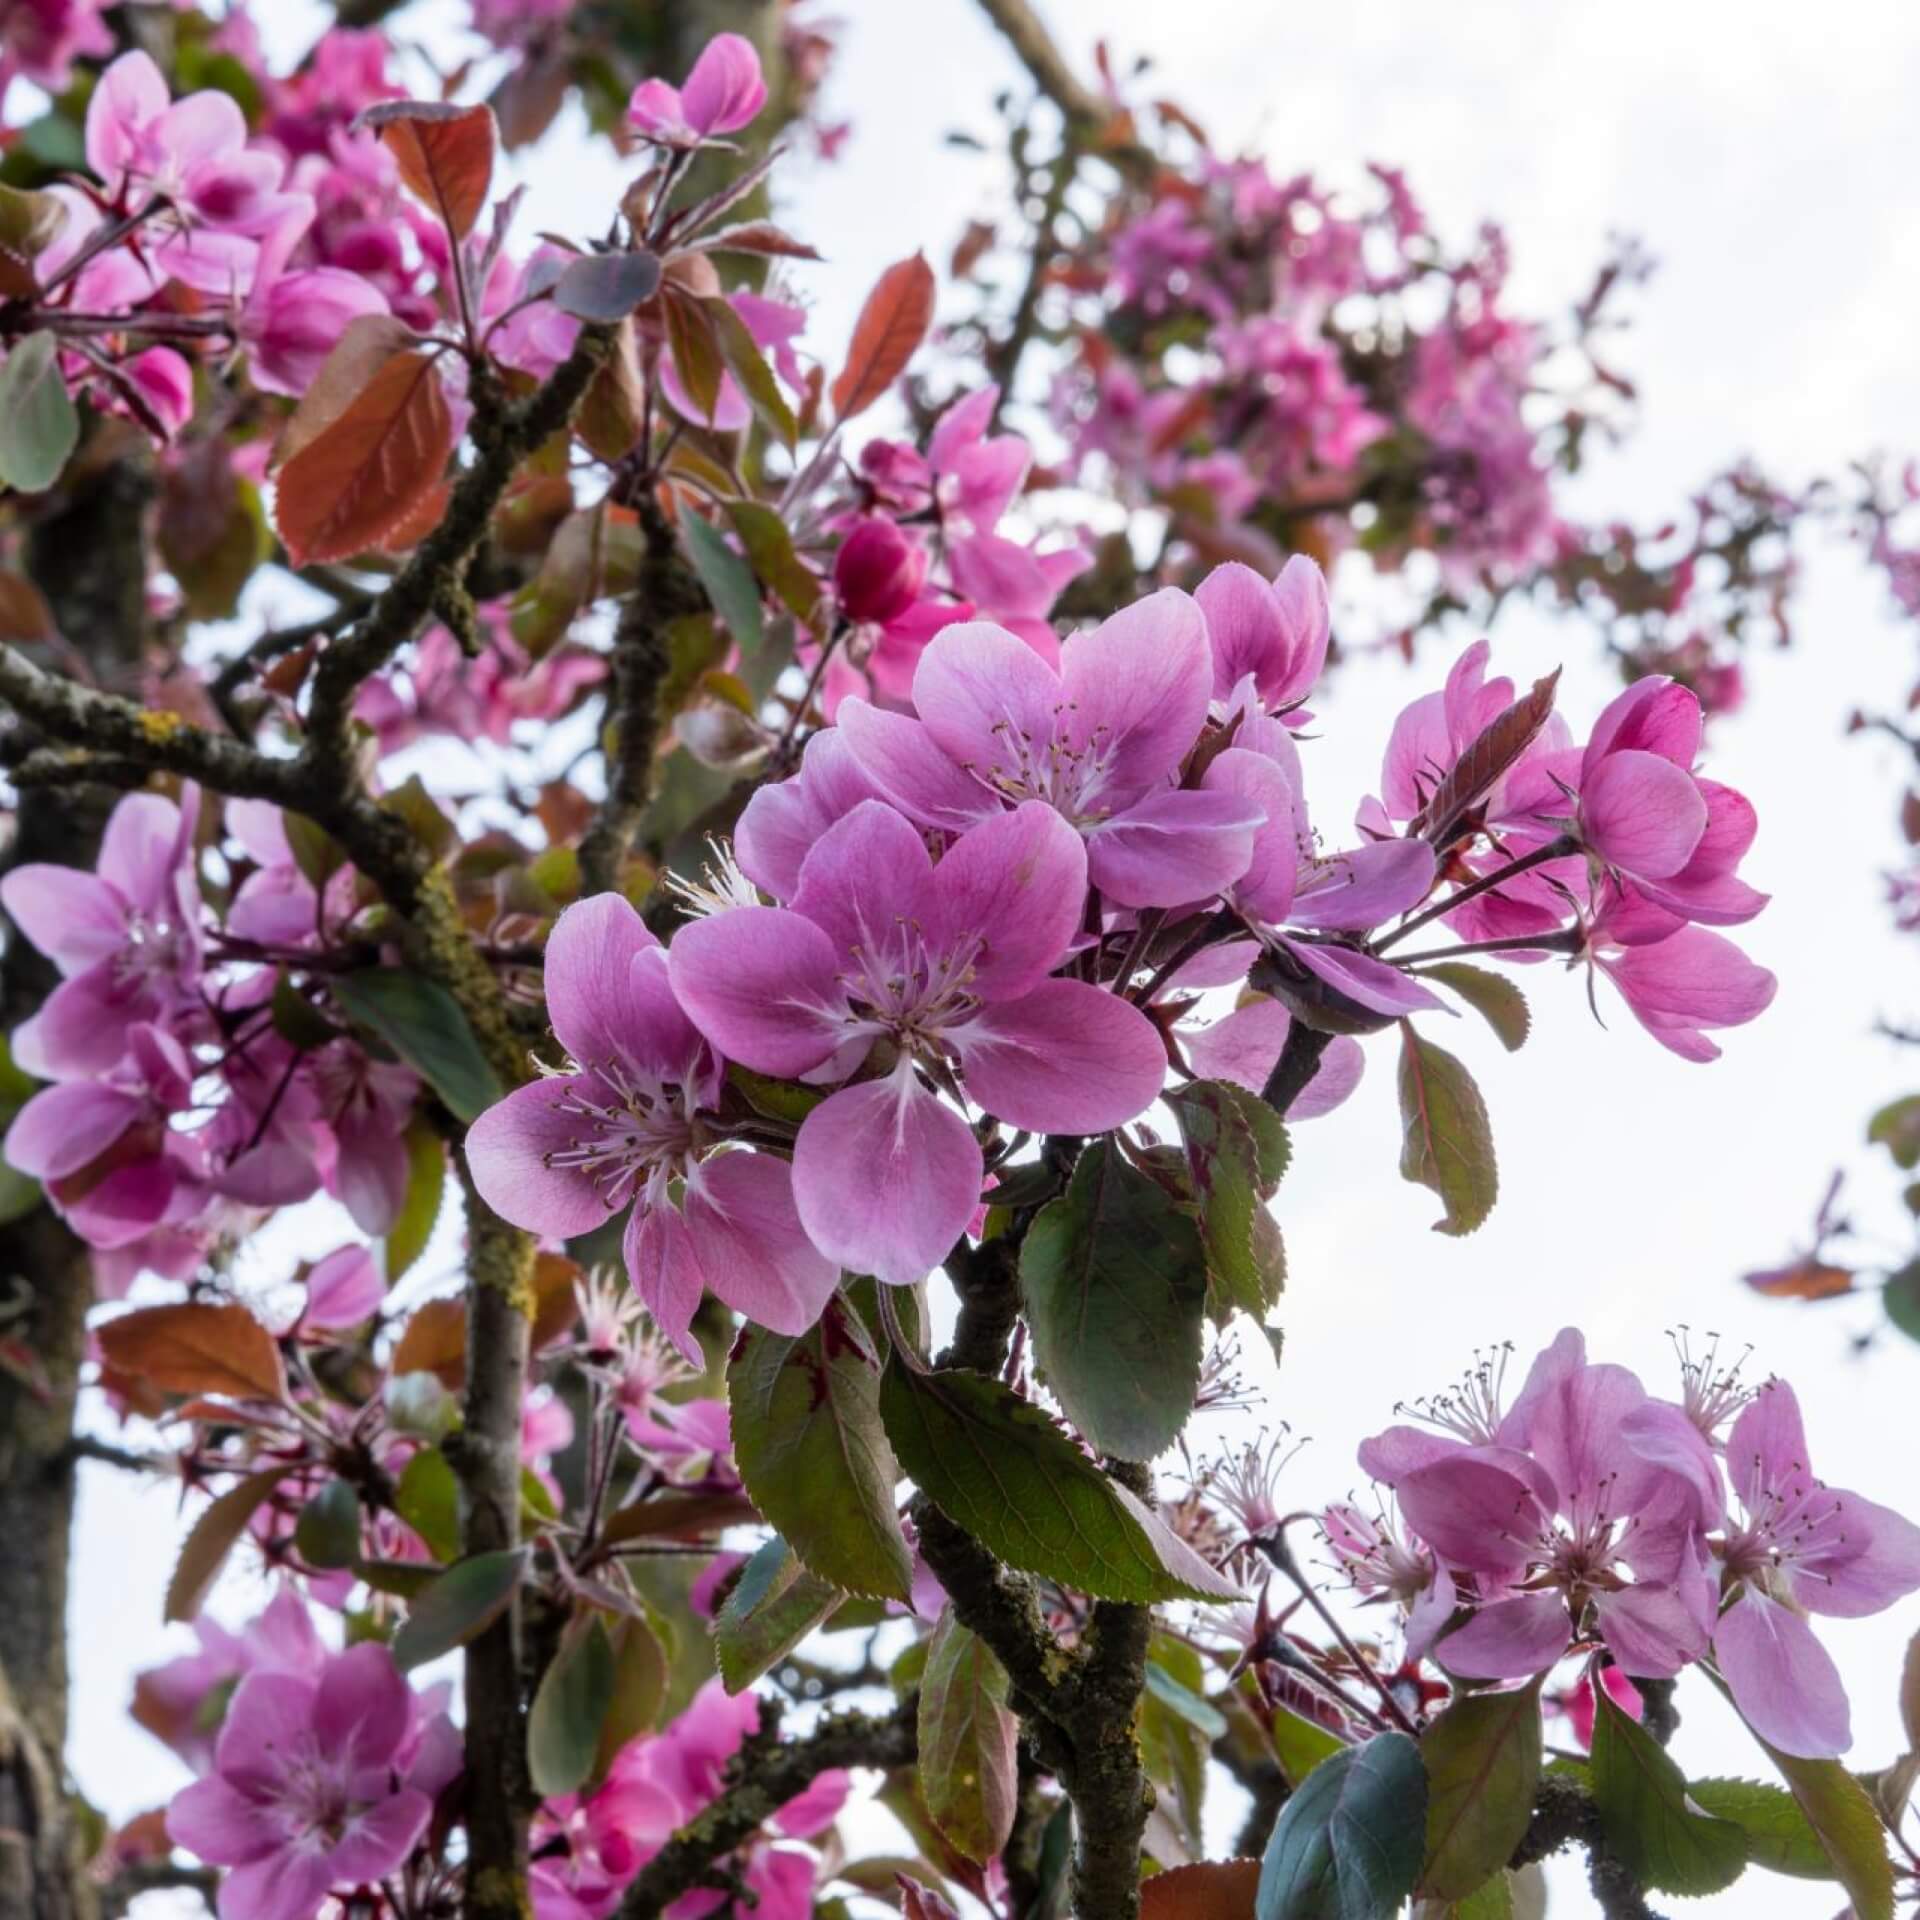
point(919, 1902)
point(756, 236)
point(361, 479)
point(197, 1347)
point(1500, 743)
point(1219, 1890)
point(445, 155)
point(367, 345)
point(891, 326)
point(1807, 1279)
point(214, 1536)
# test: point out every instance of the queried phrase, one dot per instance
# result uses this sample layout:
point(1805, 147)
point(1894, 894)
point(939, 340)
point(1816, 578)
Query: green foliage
point(1178, 1726)
point(327, 1533)
point(1115, 1287)
point(1661, 1838)
point(1448, 1144)
point(1348, 1844)
point(563, 1725)
point(997, 1466)
point(813, 1455)
point(1483, 1763)
point(1901, 1298)
point(1778, 1835)
point(422, 1023)
point(39, 424)
point(1236, 1151)
point(1491, 995)
point(420, 1208)
point(728, 579)
point(1897, 1128)
point(460, 1603)
point(427, 1498)
point(774, 1605)
point(969, 1741)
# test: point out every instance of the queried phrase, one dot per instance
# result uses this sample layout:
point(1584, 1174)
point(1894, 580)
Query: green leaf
point(638, 1691)
point(729, 582)
point(1236, 1152)
point(1897, 1128)
point(327, 1533)
point(749, 367)
point(1901, 1298)
point(1777, 1833)
point(1661, 1838)
point(420, 1209)
point(563, 1725)
point(997, 1466)
point(1491, 1901)
point(1178, 1727)
point(774, 1605)
point(317, 854)
point(969, 1742)
point(777, 1099)
point(1448, 1144)
point(1910, 1694)
point(1841, 1813)
point(1115, 1285)
point(770, 547)
point(1300, 1744)
point(427, 1498)
point(1483, 1763)
point(462, 1602)
point(39, 424)
point(813, 1455)
point(422, 1022)
point(1348, 1843)
point(1491, 995)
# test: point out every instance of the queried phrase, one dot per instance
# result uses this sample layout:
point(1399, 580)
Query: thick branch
point(1086, 112)
point(665, 590)
point(765, 1777)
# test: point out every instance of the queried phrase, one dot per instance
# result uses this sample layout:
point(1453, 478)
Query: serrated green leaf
point(770, 547)
point(1777, 1834)
point(1483, 1763)
point(39, 424)
point(427, 1498)
point(1348, 1843)
point(1115, 1286)
point(327, 1534)
point(420, 1207)
point(812, 1453)
point(563, 1725)
point(997, 1466)
point(1661, 1838)
point(969, 1741)
point(1236, 1151)
point(460, 1603)
point(774, 1605)
point(1491, 995)
point(1448, 1143)
point(422, 1022)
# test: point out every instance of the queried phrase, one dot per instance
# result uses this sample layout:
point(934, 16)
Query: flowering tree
point(861, 887)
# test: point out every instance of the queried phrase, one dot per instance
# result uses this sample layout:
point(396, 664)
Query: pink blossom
point(292, 320)
point(41, 39)
point(126, 936)
point(631, 1116)
point(1799, 1547)
point(1682, 984)
point(1101, 742)
point(722, 94)
point(950, 964)
point(310, 1790)
point(1385, 1566)
point(1275, 634)
point(877, 572)
point(344, 1288)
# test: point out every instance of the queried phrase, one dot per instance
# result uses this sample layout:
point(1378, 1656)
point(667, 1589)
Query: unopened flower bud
point(877, 572)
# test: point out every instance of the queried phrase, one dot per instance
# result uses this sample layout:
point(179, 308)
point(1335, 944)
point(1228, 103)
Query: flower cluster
point(197, 1079)
point(980, 918)
point(1590, 1515)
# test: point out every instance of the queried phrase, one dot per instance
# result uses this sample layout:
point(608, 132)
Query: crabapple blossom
point(721, 95)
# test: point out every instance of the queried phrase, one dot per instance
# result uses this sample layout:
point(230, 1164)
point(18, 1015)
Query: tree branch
point(1086, 112)
point(766, 1775)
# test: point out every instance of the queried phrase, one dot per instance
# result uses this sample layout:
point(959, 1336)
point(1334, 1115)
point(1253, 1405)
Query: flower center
point(912, 989)
point(632, 1134)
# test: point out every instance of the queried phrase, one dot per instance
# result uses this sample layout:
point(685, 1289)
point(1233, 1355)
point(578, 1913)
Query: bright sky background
point(1763, 153)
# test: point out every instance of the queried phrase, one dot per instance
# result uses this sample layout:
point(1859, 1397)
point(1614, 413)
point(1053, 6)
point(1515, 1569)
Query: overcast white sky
point(1764, 153)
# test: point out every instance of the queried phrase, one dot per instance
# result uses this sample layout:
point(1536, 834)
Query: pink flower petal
point(666, 1273)
point(747, 1237)
point(886, 1178)
point(725, 89)
point(761, 983)
point(868, 880)
point(343, 1289)
point(1067, 1058)
point(73, 917)
point(1137, 688)
point(1510, 1640)
point(986, 698)
point(1265, 890)
point(1642, 814)
point(1174, 845)
point(589, 965)
point(902, 759)
point(1017, 882)
point(1355, 891)
point(512, 1148)
point(1784, 1681)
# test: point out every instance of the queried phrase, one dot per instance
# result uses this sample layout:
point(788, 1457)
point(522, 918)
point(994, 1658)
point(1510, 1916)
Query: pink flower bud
point(877, 572)
point(723, 92)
